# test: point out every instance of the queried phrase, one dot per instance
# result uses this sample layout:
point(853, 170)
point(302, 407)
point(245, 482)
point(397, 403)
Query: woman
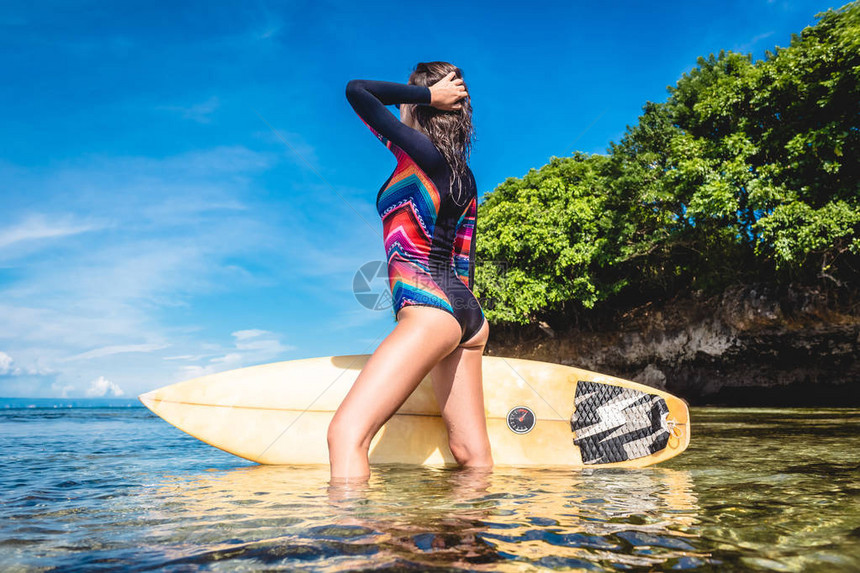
point(428, 207)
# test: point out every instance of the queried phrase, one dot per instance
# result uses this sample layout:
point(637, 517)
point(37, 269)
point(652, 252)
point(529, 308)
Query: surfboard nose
point(148, 398)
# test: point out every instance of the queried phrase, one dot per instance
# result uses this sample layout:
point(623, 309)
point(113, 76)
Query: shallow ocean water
point(120, 489)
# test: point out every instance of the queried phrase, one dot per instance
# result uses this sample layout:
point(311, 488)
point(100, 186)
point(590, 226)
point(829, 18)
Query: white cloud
point(185, 357)
point(39, 226)
point(177, 226)
point(124, 241)
point(199, 112)
point(109, 350)
point(7, 369)
point(260, 341)
point(251, 346)
point(101, 386)
point(64, 390)
point(170, 240)
point(232, 359)
point(245, 334)
point(5, 363)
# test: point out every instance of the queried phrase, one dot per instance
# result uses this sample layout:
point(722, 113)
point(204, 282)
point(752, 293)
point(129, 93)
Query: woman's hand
point(446, 93)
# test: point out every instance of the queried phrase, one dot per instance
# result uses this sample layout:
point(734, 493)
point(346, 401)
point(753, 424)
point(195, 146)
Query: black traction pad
point(613, 424)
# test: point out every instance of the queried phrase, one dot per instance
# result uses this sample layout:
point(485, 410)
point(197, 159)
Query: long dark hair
point(451, 131)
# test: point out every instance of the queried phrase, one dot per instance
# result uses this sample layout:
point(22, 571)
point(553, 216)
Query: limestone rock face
point(750, 345)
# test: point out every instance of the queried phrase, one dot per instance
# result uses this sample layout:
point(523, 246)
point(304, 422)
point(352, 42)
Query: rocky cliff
point(752, 345)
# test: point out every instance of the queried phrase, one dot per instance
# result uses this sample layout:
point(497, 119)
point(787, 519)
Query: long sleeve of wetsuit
point(369, 98)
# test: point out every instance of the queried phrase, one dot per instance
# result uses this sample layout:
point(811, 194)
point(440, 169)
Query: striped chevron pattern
point(463, 241)
point(409, 206)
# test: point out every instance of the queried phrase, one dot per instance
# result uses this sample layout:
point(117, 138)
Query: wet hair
point(451, 131)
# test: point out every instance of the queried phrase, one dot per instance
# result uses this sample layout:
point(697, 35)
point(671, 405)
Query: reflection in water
point(432, 517)
point(758, 490)
point(438, 518)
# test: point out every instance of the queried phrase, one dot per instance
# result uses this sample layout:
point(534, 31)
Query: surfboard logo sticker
point(521, 419)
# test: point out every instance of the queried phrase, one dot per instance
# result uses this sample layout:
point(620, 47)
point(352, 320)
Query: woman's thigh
point(422, 336)
point(458, 385)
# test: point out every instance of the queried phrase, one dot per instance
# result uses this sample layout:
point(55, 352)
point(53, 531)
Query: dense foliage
point(748, 172)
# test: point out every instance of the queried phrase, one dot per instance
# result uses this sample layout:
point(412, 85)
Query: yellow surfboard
point(538, 414)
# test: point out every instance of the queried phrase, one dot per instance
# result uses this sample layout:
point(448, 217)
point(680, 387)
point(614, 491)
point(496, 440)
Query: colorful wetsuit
point(428, 230)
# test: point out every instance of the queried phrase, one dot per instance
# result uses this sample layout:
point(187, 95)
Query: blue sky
point(185, 188)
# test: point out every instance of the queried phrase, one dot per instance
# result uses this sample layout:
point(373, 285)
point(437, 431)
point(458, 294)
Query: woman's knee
point(475, 453)
point(343, 434)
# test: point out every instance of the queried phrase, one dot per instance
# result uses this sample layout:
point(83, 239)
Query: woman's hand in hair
point(447, 93)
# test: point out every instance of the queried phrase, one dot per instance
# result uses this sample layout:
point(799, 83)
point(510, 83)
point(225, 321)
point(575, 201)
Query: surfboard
point(538, 414)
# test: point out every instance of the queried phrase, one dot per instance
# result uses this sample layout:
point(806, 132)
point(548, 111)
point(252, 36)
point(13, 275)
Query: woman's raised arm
point(369, 98)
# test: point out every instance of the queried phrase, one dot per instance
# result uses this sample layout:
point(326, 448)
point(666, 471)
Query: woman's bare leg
point(458, 385)
point(422, 337)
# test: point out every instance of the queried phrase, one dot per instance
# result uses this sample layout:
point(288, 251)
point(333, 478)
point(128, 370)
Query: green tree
point(747, 172)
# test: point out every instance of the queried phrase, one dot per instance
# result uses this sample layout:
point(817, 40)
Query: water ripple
point(758, 490)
